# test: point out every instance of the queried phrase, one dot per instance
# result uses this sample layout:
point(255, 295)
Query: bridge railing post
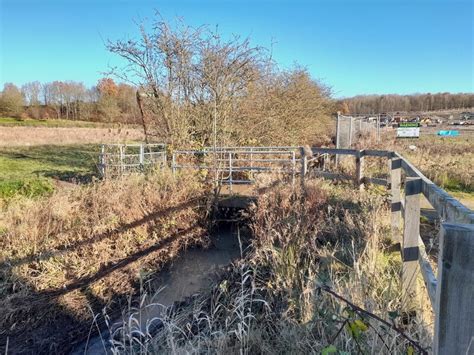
point(251, 163)
point(395, 165)
point(173, 163)
point(121, 150)
point(102, 161)
point(230, 171)
point(142, 156)
point(410, 246)
point(454, 303)
point(293, 167)
point(304, 166)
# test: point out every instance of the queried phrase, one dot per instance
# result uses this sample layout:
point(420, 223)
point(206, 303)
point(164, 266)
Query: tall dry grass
point(26, 136)
point(65, 257)
point(448, 162)
point(272, 301)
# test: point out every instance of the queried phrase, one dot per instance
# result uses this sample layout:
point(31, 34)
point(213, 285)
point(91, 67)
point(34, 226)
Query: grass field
point(448, 162)
point(14, 122)
point(33, 171)
point(31, 136)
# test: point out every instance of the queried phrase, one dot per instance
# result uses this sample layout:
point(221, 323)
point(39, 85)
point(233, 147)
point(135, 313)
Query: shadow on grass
point(44, 322)
point(76, 177)
point(73, 157)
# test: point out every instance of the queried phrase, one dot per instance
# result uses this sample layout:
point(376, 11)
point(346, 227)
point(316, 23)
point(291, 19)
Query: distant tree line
point(106, 101)
point(415, 102)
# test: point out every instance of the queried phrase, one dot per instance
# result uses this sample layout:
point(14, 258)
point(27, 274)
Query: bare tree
point(189, 79)
point(31, 92)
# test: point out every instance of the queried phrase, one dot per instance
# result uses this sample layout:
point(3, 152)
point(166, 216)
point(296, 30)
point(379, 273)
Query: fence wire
point(351, 129)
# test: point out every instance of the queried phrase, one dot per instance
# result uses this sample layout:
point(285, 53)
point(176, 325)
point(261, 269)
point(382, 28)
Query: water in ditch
point(193, 270)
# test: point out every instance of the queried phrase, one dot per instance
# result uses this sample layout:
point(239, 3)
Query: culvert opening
point(194, 270)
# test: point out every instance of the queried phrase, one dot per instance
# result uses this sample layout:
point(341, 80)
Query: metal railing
point(450, 290)
point(123, 159)
point(240, 165)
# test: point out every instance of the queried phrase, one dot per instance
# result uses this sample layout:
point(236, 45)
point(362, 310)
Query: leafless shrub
point(198, 88)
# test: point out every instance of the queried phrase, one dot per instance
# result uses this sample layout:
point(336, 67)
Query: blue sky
point(356, 47)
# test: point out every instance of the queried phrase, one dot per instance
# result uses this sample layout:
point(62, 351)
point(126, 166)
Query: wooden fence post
point(454, 305)
point(410, 247)
point(360, 168)
point(396, 204)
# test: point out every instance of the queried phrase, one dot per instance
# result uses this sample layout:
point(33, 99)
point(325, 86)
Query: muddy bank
point(194, 269)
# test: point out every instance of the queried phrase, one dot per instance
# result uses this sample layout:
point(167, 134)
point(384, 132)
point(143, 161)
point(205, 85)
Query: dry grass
point(65, 257)
point(269, 302)
point(448, 162)
point(25, 136)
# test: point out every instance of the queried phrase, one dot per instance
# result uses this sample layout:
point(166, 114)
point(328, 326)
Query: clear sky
point(356, 47)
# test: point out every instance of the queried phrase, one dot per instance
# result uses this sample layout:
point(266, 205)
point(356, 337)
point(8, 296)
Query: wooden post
point(360, 169)
point(395, 182)
point(454, 304)
point(410, 247)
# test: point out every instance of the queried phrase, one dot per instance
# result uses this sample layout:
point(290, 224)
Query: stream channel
point(194, 269)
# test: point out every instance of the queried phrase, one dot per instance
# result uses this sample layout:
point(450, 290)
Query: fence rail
point(451, 291)
point(123, 159)
point(238, 165)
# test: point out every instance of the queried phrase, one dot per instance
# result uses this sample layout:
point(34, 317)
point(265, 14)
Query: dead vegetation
point(65, 257)
point(448, 162)
point(276, 300)
point(197, 88)
point(26, 136)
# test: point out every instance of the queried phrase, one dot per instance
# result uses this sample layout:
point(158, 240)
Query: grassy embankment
point(275, 300)
point(65, 257)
